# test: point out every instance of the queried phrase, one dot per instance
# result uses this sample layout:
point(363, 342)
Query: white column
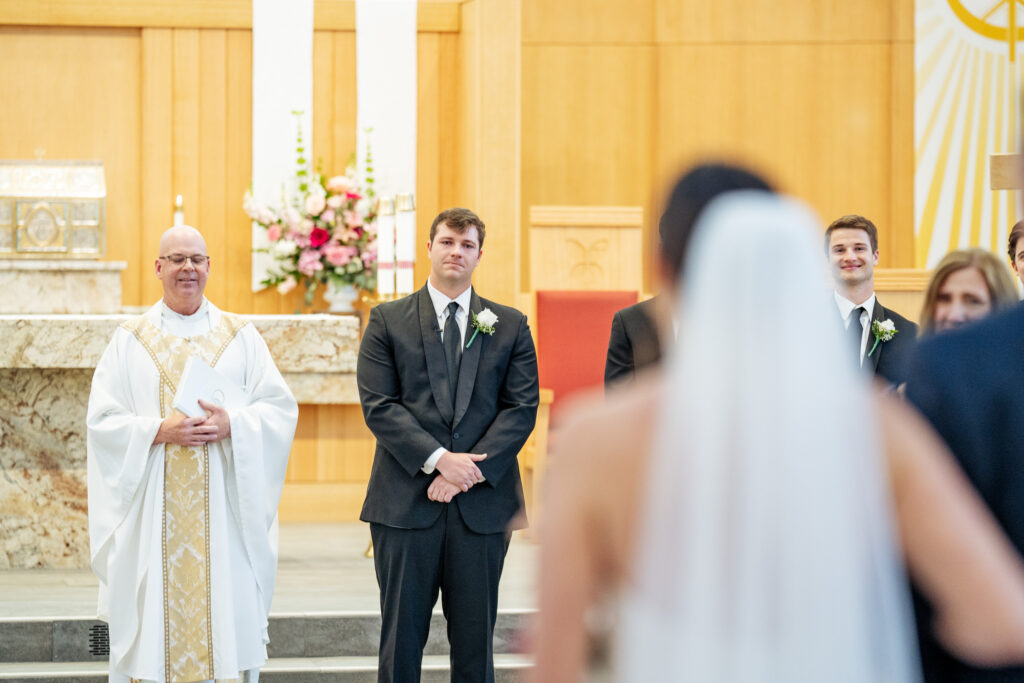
point(282, 83)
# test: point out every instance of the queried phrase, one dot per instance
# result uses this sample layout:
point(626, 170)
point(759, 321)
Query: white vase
point(341, 298)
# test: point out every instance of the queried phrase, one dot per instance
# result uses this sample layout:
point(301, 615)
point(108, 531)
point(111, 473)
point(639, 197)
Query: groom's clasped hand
point(458, 473)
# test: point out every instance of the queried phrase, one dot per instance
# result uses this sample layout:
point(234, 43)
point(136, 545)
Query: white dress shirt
point(846, 308)
point(441, 301)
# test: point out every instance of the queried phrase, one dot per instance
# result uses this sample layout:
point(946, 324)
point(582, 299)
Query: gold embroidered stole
point(188, 628)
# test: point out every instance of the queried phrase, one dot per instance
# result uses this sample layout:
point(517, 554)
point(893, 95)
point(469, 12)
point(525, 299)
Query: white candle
point(405, 244)
point(386, 248)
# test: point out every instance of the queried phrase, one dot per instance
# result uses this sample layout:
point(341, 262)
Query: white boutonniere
point(884, 330)
point(484, 321)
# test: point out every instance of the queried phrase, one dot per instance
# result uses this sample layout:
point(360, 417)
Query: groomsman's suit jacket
point(634, 343)
point(403, 386)
point(891, 359)
point(968, 384)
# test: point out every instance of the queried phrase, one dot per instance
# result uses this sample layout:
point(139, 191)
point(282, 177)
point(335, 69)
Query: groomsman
point(448, 385)
point(881, 338)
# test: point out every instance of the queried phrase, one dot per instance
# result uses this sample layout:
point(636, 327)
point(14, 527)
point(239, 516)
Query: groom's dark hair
point(694, 191)
point(459, 220)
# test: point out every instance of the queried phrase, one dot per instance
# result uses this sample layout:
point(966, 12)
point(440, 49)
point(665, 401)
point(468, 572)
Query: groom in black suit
point(451, 397)
point(851, 243)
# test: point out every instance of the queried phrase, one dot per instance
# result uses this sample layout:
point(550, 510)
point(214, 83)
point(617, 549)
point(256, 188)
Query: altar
point(46, 367)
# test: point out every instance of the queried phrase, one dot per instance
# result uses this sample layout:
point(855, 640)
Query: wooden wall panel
point(75, 94)
point(588, 21)
point(157, 185)
point(772, 21)
point(238, 170)
point(489, 154)
point(818, 123)
point(588, 128)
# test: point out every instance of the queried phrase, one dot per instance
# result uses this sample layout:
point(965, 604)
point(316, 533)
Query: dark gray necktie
point(856, 332)
point(452, 341)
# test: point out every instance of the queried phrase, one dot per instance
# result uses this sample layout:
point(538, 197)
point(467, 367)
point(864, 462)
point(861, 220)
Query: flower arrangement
point(327, 234)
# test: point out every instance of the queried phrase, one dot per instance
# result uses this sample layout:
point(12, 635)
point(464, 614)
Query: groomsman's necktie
point(856, 332)
point(452, 347)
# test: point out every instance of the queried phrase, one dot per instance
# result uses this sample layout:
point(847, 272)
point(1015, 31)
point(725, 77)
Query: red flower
point(318, 237)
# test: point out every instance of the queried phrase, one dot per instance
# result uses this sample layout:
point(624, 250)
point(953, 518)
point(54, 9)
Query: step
point(508, 668)
point(317, 634)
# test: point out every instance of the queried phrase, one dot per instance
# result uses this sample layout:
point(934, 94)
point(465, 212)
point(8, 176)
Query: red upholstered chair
point(572, 338)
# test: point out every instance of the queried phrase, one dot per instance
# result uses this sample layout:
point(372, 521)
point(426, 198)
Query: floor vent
point(99, 640)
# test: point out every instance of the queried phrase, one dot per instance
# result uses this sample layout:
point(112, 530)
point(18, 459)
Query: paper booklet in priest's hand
point(200, 381)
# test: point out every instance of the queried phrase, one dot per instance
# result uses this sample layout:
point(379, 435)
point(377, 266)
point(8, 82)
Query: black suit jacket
point(403, 388)
point(891, 359)
point(634, 343)
point(968, 384)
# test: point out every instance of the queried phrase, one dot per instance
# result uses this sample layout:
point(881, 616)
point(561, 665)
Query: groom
point(451, 396)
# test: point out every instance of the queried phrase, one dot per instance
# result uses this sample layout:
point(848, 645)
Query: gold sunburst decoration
point(983, 23)
point(966, 90)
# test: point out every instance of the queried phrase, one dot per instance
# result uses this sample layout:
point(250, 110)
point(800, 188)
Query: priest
point(183, 510)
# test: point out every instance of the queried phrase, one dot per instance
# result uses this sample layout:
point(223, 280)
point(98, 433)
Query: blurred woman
point(967, 285)
point(745, 514)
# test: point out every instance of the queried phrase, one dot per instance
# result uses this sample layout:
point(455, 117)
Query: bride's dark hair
point(695, 190)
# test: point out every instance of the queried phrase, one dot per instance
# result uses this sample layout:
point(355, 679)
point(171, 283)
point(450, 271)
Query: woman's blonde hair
point(1001, 289)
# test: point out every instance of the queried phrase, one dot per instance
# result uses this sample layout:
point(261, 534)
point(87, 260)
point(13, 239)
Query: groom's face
point(454, 255)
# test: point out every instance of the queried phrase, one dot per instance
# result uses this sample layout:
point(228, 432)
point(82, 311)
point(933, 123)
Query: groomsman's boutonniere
point(484, 321)
point(884, 330)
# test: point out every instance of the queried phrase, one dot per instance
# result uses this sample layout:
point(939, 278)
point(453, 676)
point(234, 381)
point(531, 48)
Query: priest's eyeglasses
point(198, 260)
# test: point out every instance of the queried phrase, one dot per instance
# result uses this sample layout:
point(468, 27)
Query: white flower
point(315, 204)
point(486, 320)
point(284, 248)
point(883, 331)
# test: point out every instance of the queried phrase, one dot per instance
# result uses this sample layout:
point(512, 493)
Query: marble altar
point(46, 366)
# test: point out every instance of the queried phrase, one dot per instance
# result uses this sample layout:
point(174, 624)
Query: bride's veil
point(767, 549)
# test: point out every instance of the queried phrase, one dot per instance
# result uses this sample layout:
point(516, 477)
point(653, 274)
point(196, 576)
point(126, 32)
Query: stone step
point(508, 668)
point(327, 634)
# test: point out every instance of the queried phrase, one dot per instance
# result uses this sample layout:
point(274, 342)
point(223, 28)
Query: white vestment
point(162, 571)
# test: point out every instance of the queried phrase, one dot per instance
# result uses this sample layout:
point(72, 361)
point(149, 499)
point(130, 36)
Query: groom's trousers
point(413, 565)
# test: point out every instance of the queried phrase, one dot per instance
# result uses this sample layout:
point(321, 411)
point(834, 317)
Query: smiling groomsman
point(448, 385)
point(881, 338)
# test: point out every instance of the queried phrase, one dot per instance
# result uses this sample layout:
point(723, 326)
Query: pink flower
point(306, 227)
point(309, 262)
point(353, 195)
point(338, 255)
point(328, 216)
point(335, 201)
point(274, 232)
point(339, 184)
point(370, 255)
point(315, 203)
point(318, 237)
point(353, 219)
point(286, 286)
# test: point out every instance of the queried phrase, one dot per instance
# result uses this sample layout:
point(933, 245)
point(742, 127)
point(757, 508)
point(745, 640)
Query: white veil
point(767, 548)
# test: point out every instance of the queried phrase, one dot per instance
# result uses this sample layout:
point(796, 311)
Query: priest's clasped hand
point(218, 417)
point(195, 431)
point(460, 468)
